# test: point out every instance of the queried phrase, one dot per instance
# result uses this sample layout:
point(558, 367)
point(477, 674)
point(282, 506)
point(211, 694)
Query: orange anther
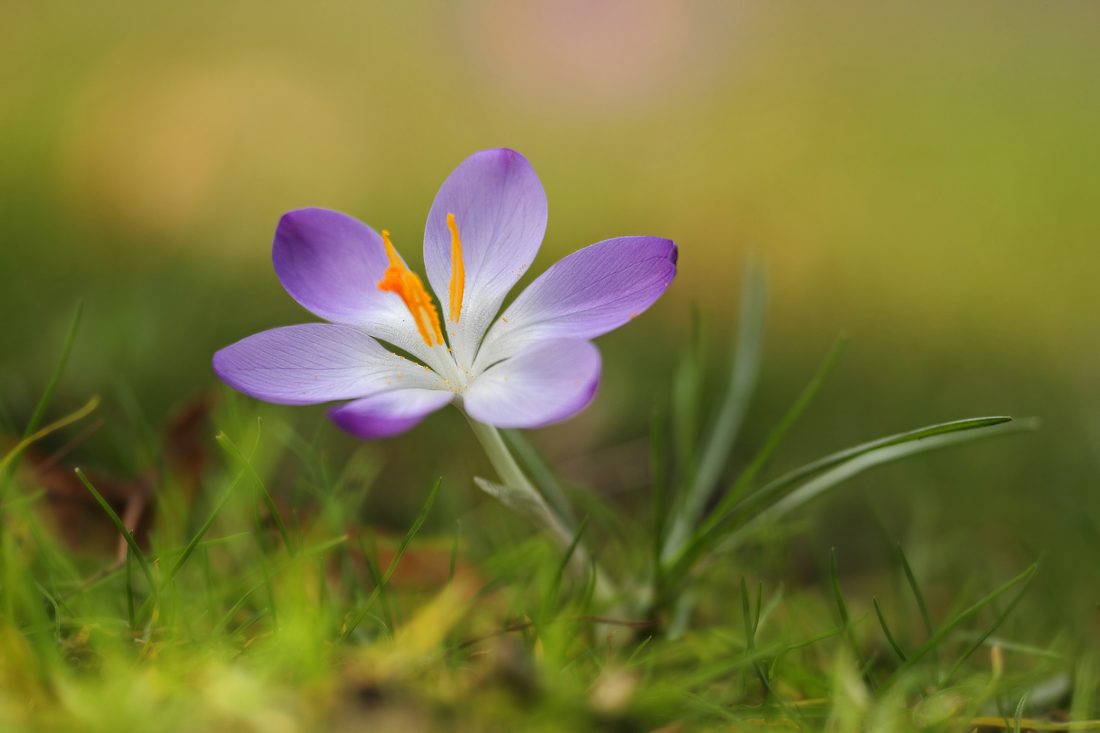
point(458, 270)
point(399, 279)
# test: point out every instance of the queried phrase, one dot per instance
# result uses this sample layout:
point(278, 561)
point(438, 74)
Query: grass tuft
point(248, 615)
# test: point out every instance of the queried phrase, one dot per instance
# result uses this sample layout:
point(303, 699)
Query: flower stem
point(503, 462)
point(512, 477)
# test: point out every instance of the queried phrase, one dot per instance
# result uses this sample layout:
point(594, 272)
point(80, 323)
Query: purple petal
point(585, 295)
point(315, 362)
point(545, 383)
point(332, 263)
point(388, 413)
point(500, 210)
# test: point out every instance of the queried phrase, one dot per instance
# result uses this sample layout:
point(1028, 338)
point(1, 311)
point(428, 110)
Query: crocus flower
point(531, 365)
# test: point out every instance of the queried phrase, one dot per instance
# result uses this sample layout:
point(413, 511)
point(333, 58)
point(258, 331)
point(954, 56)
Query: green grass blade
point(454, 552)
point(408, 538)
point(262, 557)
point(228, 616)
point(268, 577)
point(23, 500)
point(886, 630)
point(325, 546)
point(746, 615)
point(131, 619)
point(589, 592)
point(54, 558)
point(637, 650)
point(31, 432)
point(7, 463)
point(891, 449)
point(747, 357)
point(248, 622)
point(56, 610)
point(724, 668)
point(405, 542)
point(776, 436)
point(55, 378)
point(1011, 646)
point(177, 551)
point(687, 399)
point(555, 584)
point(361, 614)
point(537, 468)
point(93, 582)
point(1084, 685)
point(759, 602)
point(750, 635)
point(869, 459)
point(981, 639)
point(961, 618)
point(799, 645)
point(849, 454)
point(915, 587)
point(865, 670)
point(659, 477)
point(208, 583)
point(142, 563)
point(146, 436)
point(322, 584)
point(842, 609)
point(246, 464)
point(190, 547)
point(834, 583)
point(769, 608)
point(370, 559)
point(1020, 712)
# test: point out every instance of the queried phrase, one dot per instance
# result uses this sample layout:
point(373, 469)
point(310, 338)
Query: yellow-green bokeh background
point(925, 177)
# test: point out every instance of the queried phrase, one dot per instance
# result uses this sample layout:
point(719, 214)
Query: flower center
point(399, 279)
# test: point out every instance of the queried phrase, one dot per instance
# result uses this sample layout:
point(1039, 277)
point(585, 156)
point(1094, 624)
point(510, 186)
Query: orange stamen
point(458, 270)
point(399, 279)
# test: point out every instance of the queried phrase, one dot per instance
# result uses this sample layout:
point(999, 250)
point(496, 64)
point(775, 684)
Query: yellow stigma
point(458, 270)
point(399, 279)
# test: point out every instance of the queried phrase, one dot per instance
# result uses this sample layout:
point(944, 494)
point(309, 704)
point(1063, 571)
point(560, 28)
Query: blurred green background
point(926, 178)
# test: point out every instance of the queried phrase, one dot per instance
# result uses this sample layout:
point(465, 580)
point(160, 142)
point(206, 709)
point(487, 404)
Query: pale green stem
point(508, 471)
point(512, 476)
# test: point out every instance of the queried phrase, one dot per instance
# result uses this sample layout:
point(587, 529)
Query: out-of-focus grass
point(226, 621)
point(248, 594)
